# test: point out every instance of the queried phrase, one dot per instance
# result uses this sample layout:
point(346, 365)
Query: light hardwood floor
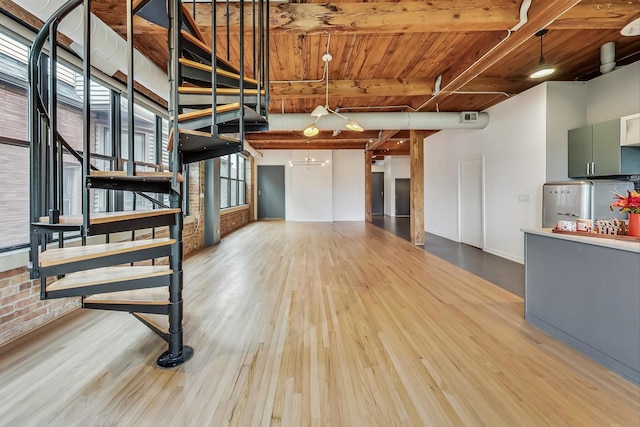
point(297, 324)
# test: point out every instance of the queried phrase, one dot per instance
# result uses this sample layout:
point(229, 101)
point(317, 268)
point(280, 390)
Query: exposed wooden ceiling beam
point(388, 87)
point(401, 17)
point(595, 14)
point(383, 137)
point(302, 145)
point(349, 18)
point(541, 15)
point(353, 88)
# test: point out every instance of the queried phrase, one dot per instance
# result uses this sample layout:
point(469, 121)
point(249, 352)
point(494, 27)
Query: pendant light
point(324, 110)
point(543, 70)
point(311, 130)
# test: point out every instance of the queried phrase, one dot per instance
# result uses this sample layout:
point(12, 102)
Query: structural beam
point(383, 137)
point(416, 158)
point(367, 185)
point(541, 15)
point(354, 88)
point(435, 16)
point(401, 17)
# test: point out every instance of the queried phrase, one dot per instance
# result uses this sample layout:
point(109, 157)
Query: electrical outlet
point(525, 198)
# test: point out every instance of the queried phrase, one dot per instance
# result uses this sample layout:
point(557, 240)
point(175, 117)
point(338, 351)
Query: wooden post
point(417, 186)
point(367, 185)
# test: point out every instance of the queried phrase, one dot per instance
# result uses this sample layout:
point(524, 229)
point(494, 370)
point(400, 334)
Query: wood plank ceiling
point(388, 54)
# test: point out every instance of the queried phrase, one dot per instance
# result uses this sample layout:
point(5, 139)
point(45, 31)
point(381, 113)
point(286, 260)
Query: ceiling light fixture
point(311, 130)
point(632, 28)
point(324, 110)
point(308, 161)
point(543, 70)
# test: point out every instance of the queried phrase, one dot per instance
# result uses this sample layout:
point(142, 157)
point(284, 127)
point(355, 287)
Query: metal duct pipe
point(109, 48)
point(608, 57)
point(384, 121)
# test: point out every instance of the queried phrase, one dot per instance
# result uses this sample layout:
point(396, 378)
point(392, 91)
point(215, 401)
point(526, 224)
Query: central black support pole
point(86, 117)
point(177, 353)
point(130, 96)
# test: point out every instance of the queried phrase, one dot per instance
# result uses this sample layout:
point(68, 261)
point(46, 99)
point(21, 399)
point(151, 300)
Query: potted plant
point(631, 204)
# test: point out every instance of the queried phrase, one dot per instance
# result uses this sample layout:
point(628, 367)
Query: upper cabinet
point(630, 130)
point(596, 151)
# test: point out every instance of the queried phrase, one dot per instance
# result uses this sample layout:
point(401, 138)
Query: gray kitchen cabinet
point(580, 151)
point(595, 150)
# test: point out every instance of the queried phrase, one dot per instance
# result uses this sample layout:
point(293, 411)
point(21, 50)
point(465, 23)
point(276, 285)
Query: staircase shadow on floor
point(502, 272)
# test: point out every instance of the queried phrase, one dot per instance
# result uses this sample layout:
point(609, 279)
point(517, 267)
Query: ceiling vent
point(468, 116)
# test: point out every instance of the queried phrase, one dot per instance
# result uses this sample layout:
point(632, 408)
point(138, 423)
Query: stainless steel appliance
point(571, 200)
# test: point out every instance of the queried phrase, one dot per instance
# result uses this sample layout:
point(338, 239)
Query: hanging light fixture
point(324, 110)
point(311, 130)
point(543, 70)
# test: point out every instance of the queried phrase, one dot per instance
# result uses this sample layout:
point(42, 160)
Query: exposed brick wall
point(233, 219)
point(20, 307)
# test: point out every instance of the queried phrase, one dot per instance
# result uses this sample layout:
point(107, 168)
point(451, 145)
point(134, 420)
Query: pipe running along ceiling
point(108, 49)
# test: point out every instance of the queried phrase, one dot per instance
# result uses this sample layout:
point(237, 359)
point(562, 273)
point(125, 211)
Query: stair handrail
point(37, 108)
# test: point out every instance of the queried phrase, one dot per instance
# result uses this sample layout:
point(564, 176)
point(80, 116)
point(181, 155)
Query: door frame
point(482, 198)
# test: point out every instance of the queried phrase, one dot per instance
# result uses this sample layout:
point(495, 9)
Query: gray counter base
point(586, 295)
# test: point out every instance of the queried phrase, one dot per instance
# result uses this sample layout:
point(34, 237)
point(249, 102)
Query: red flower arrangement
point(629, 203)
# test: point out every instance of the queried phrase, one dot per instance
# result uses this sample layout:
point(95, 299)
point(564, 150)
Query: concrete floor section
point(502, 272)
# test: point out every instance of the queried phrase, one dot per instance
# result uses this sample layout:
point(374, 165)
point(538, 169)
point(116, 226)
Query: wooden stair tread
point(207, 111)
point(104, 275)
point(108, 173)
point(208, 68)
point(193, 90)
point(107, 217)
point(57, 256)
point(147, 296)
point(191, 38)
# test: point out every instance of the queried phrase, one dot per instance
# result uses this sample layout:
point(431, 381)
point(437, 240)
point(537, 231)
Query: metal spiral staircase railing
point(212, 103)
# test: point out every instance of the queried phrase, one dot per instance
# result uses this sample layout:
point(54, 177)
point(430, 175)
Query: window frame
point(114, 128)
point(228, 182)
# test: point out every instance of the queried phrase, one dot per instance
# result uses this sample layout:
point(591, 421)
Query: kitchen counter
point(585, 291)
point(623, 245)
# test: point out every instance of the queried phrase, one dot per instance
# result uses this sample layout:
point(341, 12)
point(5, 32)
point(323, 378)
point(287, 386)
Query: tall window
point(106, 153)
point(232, 181)
point(14, 148)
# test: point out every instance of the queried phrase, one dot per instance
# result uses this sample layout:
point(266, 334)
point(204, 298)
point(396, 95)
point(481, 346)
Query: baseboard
point(605, 360)
point(504, 255)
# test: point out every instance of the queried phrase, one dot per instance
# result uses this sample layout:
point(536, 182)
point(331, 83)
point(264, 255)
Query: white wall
point(334, 192)
point(348, 185)
point(394, 167)
point(614, 95)
point(311, 187)
point(566, 109)
point(513, 146)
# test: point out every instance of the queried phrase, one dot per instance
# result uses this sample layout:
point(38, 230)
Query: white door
point(471, 202)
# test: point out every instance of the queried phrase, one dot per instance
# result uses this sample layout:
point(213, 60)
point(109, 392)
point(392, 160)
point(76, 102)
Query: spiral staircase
point(212, 103)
